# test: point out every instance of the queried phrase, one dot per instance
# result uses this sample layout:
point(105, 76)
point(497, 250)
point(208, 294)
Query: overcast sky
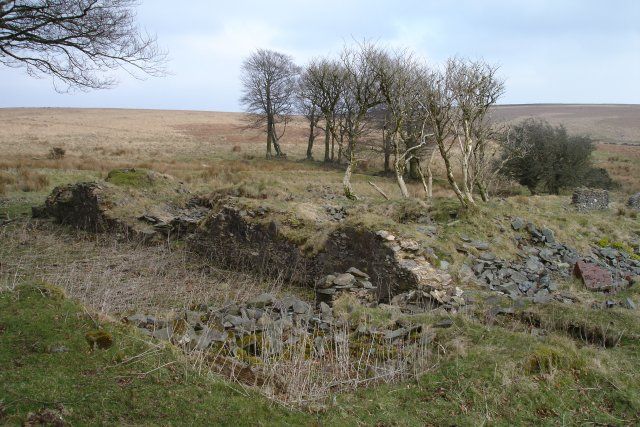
point(581, 51)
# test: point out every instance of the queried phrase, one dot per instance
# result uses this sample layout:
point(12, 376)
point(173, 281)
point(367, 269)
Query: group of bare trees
point(423, 110)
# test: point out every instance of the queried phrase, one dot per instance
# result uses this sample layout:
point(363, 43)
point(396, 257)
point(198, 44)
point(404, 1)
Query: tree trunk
point(312, 137)
point(414, 166)
point(450, 177)
point(424, 182)
point(327, 143)
point(346, 181)
point(269, 135)
point(387, 153)
point(430, 176)
point(483, 191)
point(399, 169)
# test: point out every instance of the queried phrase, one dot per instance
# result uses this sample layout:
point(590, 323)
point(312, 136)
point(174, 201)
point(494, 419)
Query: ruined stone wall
point(233, 240)
point(589, 199)
point(81, 205)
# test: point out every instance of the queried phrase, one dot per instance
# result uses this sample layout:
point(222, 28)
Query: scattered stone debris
point(177, 220)
point(589, 199)
point(634, 201)
point(336, 213)
point(354, 281)
point(237, 337)
point(542, 259)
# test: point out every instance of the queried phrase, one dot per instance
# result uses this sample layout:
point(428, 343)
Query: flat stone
point(344, 280)
point(549, 235)
point(487, 256)
point(594, 277)
point(628, 302)
point(326, 282)
point(410, 245)
point(262, 301)
point(517, 224)
point(163, 334)
point(355, 272)
point(398, 333)
point(542, 297)
point(446, 323)
point(301, 307)
point(481, 246)
point(385, 235)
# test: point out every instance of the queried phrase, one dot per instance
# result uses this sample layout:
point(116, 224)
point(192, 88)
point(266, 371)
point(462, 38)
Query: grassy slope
point(106, 386)
point(484, 374)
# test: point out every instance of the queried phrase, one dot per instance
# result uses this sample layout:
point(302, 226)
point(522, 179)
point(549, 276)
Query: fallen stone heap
point(243, 336)
point(542, 259)
point(425, 297)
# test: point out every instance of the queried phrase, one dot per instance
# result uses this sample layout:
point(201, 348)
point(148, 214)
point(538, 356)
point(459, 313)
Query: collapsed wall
point(244, 240)
point(232, 239)
point(82, 205)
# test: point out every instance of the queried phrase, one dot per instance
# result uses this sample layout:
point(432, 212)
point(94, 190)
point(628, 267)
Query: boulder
point(594, 277)
point(344, 280)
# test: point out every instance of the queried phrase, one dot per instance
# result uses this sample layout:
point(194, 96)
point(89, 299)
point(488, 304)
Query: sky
point(548, 51)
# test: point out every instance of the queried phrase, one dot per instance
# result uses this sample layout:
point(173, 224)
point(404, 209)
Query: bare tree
point(269, 85)
point(437, 100)
point(324, 81)
point(76, 41)
point(399, 74)
point(475, 88)
point(361, 94)
point(308, 103)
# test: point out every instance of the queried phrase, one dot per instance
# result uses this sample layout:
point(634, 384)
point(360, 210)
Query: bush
point(56, 153)
point(546, 158)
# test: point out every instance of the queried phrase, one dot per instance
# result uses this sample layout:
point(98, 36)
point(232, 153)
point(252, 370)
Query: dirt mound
point(136, 202)
point(83, 205)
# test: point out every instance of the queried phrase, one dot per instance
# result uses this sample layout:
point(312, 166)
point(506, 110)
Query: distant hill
point(607, 123)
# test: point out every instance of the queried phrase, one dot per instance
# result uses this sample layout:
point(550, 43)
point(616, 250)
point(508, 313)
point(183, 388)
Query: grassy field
point(495, 371)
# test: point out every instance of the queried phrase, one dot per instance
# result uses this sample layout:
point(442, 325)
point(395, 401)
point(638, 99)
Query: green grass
point(137, 178)
point(482, 374)
point(119, 385)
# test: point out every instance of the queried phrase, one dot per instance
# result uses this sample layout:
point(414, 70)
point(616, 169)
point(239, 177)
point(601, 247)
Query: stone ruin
point(590, 199)
point(634, 201)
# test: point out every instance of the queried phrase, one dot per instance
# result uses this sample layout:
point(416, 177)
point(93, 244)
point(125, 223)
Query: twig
point(379, 190)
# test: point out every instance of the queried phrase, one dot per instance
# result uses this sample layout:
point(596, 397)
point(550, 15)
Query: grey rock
point(549, 235)
point(533, 265)
point(481, 246)
point(301, 307)
point(163, 334)
point(262, 300)
point(446, 323)
point(542, 297)
point(517, 224)
point(398, 333)
point(385, 235)
point(355, 272)
point(628, 302)
point(344, 280)
point(487, 256)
